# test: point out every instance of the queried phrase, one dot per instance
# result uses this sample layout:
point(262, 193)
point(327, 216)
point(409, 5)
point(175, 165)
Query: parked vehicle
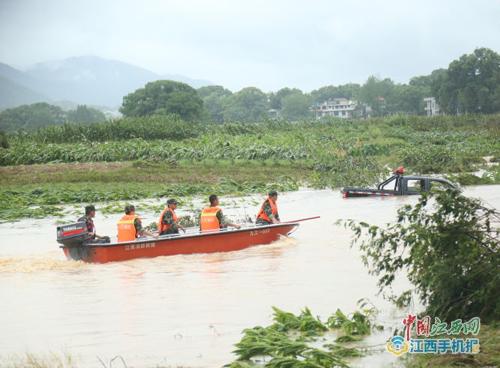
point(397, 185)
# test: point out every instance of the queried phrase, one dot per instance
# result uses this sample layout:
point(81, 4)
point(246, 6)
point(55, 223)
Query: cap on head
point(273, 193)
point(129, 208)
point(89, 209)
point(171, 201)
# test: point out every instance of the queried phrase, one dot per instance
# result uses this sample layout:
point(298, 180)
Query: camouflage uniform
point(91, 229)
point(168, 219)
point(269, 212)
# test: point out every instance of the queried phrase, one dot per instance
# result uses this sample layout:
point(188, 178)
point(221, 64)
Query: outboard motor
point(73, 235)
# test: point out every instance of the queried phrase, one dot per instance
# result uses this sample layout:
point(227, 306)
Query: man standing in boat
point(130, 226)
point(168, 223)
point(211, 218)
point(89, 222)
point(268, 213)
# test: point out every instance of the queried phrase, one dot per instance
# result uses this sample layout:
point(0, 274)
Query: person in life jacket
point(130, 226)
point(268, 213)
point(212, 219)
point(168, 223)
point(89, 222)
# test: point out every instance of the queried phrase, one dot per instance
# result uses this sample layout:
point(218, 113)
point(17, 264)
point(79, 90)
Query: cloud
point(268, 44)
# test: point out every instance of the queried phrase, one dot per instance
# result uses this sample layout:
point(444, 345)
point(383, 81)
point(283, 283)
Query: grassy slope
point(489, 356)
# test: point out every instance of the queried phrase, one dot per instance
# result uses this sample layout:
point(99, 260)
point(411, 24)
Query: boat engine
point(73, 235)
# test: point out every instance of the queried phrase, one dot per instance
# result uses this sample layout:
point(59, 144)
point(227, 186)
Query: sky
point(267, 44)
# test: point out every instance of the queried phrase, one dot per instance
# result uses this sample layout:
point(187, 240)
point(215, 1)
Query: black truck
point(397, 185)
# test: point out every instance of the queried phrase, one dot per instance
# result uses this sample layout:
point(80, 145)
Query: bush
point(3, 140)
point(451, 254)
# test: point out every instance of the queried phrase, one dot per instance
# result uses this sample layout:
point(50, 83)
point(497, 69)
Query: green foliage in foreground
point(3, 140)
point(488, 357)
point(451, 254)
point(288, 341)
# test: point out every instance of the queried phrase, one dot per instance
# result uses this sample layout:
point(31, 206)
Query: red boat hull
point(220, 241)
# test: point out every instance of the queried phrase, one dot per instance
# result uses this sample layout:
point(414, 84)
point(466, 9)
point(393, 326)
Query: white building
point(339, 107)
point(431, 106)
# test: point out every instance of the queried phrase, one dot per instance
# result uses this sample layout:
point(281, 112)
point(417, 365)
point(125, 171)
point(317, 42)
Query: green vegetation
point(4, 143)
point(247, 105)
point(471, 84)
point(163, 97)
point(71, 184)
point(159, 152)
point(214, 100)
point(85, 115)
point(39, 115)
point(488, 357)
point(292, 340)
point(450, 253)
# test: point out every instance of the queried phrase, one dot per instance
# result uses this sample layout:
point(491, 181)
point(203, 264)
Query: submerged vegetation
point(162, 155)
point(293, 340)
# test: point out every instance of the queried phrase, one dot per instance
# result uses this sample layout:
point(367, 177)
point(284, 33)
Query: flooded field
point(189, 310)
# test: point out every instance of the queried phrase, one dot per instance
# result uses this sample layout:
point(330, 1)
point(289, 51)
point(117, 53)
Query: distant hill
point(86, 80)
point(15, 94)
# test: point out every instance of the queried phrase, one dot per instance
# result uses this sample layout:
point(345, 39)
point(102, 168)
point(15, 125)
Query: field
point(156, 157)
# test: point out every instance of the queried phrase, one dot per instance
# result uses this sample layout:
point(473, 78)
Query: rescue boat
point(76, 246)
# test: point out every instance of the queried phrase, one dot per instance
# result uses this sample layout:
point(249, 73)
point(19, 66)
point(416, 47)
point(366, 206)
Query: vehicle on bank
point(75, 242)
point(398, 185)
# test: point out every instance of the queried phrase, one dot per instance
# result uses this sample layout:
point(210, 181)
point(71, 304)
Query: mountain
point(94, 80)
point(17, 88)
point(89, 80)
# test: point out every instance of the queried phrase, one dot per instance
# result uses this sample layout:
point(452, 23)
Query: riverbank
point(489, 355)
point(37, 191)
point(41, 190)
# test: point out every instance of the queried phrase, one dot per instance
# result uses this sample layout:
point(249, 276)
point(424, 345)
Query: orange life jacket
point(164, 227)
point(209, 220)
point(126, 228)
point(274, 209)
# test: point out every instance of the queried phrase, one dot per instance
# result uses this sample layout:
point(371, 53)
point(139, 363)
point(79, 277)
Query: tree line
point(41, 114)
point(470, 84)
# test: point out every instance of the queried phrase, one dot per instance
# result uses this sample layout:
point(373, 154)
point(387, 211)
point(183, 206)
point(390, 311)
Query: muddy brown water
point(189, 310)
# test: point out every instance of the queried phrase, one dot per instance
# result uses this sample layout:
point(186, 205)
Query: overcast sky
point(268, 44)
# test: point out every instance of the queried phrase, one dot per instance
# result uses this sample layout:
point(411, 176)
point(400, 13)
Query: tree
point(276, 99)
point(451, 254)
point(84, 114)
point(409, 99)
point(3, 140)
point(296, 106)
point(213, 101)
point(349, 91)
point(247, 105)
point(471, 84)
point(164, 97)
point(379, 94)
point(30, 117)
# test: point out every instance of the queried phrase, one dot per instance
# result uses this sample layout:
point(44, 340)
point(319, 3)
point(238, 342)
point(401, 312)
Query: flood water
point(189, 310)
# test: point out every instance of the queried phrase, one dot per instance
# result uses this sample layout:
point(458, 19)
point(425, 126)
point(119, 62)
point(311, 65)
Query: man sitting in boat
point(130, 226)
point(168, 223)
point(268, 213)
point(211, 218)
point(89, 221)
